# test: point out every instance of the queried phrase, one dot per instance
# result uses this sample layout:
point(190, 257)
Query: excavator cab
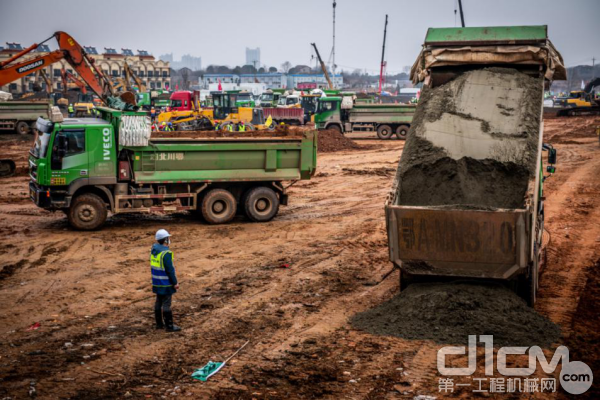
point(224, 104)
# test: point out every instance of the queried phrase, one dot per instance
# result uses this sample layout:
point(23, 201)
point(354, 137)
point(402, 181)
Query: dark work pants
point(163, 301)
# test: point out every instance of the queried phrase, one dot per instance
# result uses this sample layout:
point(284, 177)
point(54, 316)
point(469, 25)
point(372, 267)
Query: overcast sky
point(220, 30)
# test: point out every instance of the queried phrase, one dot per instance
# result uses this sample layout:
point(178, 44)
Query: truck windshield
point(40, 145)
point(291, 101)
point(175, 103)
point(281, 101)
point(244, 97)
point(266, 97)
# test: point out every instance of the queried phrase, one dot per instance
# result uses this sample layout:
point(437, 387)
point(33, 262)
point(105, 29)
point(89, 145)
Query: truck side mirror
point(552, 156)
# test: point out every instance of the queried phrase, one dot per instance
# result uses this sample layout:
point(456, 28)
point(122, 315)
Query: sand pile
point(448, 313)
point(332, 140)
point(473, 141)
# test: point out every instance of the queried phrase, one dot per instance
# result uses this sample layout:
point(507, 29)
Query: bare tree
point(185, 81)
point(286, 66)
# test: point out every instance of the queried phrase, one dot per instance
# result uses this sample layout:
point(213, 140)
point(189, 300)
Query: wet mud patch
point(449, 312)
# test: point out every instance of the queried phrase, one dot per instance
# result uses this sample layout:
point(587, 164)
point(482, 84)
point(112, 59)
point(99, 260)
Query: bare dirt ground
point(90, 291)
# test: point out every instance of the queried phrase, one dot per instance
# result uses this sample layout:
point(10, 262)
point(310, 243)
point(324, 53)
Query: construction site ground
point(77, 318)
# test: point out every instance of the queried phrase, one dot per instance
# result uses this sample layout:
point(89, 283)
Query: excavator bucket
point(7, 168)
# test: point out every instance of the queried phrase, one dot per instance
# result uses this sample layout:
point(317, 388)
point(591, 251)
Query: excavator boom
point(70, 51)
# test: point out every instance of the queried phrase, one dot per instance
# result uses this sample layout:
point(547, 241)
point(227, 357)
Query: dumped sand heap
point(473, 141)
point(448, 313)
point(332, 140)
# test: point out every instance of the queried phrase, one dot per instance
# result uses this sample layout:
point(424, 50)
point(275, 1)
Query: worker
point(242, 127)
point(230, 127)
point(71, 110)
point(164, 281)
point(170, 126)
point(152, 113)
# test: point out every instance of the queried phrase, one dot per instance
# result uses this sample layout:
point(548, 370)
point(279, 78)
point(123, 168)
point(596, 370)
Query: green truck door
point(75, 162)
point(101, 148)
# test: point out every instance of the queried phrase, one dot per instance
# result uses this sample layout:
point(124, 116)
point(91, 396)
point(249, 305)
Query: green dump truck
point(21, 115)
point(88, 167)
point(467, 200)
point(344, 115)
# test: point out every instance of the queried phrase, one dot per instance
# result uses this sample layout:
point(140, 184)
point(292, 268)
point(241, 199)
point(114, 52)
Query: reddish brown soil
point(90, 293)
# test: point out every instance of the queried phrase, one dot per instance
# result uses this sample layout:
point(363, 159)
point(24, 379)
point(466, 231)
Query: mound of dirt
point(331, 140)
point(473, 141)
point(449, 312)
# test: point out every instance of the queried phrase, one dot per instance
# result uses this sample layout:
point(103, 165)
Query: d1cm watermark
point(575, 377)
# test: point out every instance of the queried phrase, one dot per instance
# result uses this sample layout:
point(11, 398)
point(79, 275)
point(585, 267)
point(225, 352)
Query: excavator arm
point(131, 75)
point(67, 76)
point(70, 51)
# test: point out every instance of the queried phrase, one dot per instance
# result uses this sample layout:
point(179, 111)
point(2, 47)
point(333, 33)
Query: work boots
point(168, 315)
point(158, 316)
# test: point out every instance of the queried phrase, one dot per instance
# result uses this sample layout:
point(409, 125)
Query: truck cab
point(328, 113)
point(69, 156)
point(184, 100)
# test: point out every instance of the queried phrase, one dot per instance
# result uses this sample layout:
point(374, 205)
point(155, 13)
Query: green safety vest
point(230, 127)
point(242, 128)
point(159, 275)
point(71, 109)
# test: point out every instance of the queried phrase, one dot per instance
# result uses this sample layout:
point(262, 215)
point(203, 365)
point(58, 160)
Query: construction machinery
point(467, 199)
point(21, 115)
point(323, 67)
point(89, 167)
point(130, 75)
point(580, 102)
point(344, 115)
point(383, 63)
point(70, 51)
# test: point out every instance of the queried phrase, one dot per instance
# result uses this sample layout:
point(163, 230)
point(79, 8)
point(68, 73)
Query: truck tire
point(218, 206)
point(402, 131)
point(261, 204)
point(384, 132)
point(22, 128)
point(335, 128)
point(87, 212)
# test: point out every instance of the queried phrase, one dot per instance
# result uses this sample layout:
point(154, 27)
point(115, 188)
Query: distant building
point(271, 80)
point(191, 62)
point(154, 73)
point(166, 57)
point(318, 80)
point(253, 57)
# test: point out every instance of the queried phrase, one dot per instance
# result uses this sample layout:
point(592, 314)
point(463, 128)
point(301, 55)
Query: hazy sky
point(220, 30)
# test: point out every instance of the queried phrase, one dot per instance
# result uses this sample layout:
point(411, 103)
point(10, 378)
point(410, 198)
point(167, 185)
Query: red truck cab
point(183, 100)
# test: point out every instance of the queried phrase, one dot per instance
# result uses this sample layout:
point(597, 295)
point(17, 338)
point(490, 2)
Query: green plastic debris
point(211, 368)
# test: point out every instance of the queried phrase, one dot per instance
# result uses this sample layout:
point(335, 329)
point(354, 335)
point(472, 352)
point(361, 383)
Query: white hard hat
point(162, 234)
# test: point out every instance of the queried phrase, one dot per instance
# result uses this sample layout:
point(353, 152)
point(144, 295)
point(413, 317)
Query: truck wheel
point(218, 206)
point(87, 212)
point(261, 204)
point(22, 128)
point(335, 128)
point(384, 132)
point(402, 131)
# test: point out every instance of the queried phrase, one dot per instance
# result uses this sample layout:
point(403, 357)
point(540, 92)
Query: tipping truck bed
point(465, 201)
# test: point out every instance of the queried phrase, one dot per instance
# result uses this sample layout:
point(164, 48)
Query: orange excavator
point(70, 51)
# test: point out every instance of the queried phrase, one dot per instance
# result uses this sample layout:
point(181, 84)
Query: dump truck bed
point(224, 159)
point(465, 198)
point(381, 113)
